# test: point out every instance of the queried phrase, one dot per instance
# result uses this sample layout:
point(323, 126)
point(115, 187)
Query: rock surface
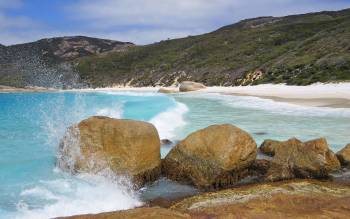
point(295, 199)
point(139, 213)
point(344, 156)
point(292, 199)
point(214, 157)
point(167, 90)
point(125, 147)
point(311, 159)
point(187, 86)
point(268, 147)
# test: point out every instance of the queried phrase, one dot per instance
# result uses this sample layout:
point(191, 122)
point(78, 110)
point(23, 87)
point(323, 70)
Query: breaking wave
point(169, 121)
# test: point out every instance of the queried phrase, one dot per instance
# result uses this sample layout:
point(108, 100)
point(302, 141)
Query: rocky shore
point(294, 181)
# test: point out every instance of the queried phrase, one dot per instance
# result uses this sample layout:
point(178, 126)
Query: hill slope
point(299, 49)
point(48, 62)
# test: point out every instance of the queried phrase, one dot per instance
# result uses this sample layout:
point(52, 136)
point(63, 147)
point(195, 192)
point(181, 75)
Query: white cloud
point(156, 19)
point(148, 21)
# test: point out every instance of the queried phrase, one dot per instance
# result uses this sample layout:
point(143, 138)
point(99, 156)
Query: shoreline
point(333, 95)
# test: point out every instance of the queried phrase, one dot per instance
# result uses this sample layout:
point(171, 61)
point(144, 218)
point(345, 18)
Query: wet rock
point(165, 142)
point(295, 159)
point(344, 156)
point(259, 167)
point(124, 147)
point(187, 86)
point(260, 133)
point(214, 157)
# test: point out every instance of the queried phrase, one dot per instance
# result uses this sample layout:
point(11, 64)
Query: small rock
point(187, 86)
point(260, 133)
point(168, 90)
point(165, 142)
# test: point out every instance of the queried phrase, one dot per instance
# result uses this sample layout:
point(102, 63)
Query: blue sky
point(138, 21)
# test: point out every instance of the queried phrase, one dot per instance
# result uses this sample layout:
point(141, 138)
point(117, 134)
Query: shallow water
point(32, 124)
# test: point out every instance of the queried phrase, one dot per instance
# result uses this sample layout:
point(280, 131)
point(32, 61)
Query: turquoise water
point(31, 125)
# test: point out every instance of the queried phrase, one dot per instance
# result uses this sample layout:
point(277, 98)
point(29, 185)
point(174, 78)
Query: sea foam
point(277, 107)
point(72, 196)
point(168, 121)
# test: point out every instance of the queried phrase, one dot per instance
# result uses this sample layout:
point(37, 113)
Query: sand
point(317, 95)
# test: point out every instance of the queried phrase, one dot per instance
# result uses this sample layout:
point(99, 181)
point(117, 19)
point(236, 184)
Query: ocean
point(32, 124)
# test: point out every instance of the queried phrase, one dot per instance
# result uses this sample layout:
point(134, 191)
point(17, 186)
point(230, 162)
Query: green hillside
point(300, 49)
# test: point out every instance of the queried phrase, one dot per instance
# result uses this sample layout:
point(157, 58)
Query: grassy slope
point(299, 49)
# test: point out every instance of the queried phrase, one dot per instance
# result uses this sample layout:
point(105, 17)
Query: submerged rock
point(166, 142)
point(295, 159)
point(344, 156)
point(214, 157)
point(190, 86)
point(125, 147)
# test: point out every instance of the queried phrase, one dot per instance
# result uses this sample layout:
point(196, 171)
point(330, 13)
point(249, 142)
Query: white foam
point(83, 195)
point(277, 107)
point(167, 122)
point(114, 112)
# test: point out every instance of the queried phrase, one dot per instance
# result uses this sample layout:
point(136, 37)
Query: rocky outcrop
point(214, 157)
point(292, 199)
point(344, 156)
point(295, 159)
point(125, 147)
point(187, 86)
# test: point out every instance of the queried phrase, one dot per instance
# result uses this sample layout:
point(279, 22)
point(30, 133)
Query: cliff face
point(299, 49)
point(48, 62)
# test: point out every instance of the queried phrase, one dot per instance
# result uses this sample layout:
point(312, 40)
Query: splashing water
point(31, 128)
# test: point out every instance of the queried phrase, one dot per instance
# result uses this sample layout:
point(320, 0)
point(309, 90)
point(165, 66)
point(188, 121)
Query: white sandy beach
point(320, 95)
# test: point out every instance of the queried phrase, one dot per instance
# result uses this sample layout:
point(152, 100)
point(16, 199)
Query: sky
point(138, 21)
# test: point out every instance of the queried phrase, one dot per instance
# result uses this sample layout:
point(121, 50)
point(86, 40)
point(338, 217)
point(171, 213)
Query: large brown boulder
point(295, 159)
point(101, 144)
point(216, 156)
point(190, 86)
point(344, 156)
